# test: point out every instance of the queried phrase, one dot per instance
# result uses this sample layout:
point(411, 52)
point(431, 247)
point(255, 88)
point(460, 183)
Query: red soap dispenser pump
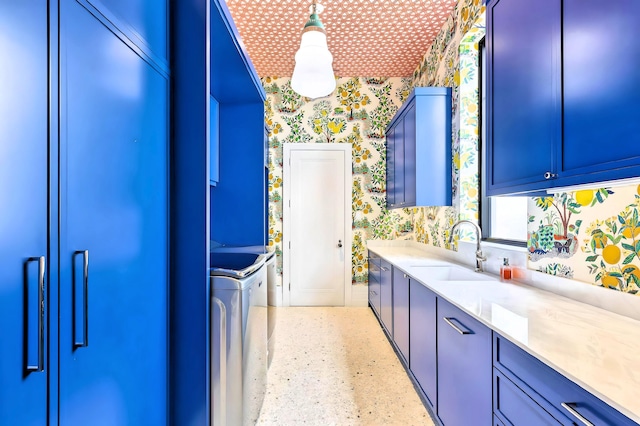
point(505, 270)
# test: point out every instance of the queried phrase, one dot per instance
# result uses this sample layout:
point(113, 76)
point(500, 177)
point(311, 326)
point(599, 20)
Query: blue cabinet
point(401, 313)
point(526, 384)
point(84, 239)
point(419, 150)
point(464, 368)
point(25, 299)
point(600, 138)
point(238, 201)
point(391, 167)
point(113, 232)
point(523, 82)
point(386, 296)
point(553, 110)
point(422, 340)
point(374, 283)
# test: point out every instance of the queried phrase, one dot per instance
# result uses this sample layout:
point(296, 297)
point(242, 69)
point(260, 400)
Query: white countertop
point(595, 348)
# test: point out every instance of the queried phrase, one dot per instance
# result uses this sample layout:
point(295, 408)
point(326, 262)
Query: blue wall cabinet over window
point(556, 108)
point(401, 312)
point(386, 296)
point(84, 238)
point(24, 170)
point(422, 338)
point(464, 368)
point(419, 150)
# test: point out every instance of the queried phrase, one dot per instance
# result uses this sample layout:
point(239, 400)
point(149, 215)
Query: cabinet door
point(410, 156)
point(464, 368)
point(401, 312)
point(391, 188)
point(374, 284)
point(113, 255)
point(422, 339)
point(524, 117)
point(386, 296)
point(398, 164)
point(23, 221)
point(601, 58)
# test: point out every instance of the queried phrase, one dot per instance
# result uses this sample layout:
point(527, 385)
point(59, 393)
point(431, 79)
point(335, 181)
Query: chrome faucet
point(479, 256)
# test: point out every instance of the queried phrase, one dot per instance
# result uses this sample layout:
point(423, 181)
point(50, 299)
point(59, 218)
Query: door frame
point(286, 224)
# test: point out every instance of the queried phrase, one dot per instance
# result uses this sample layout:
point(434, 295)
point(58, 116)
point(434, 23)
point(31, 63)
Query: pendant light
point(313, 74)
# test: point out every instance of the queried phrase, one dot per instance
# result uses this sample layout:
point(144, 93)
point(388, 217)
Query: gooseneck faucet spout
point(479, 256)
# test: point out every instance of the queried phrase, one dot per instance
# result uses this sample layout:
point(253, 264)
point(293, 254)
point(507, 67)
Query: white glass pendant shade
point(313, 74)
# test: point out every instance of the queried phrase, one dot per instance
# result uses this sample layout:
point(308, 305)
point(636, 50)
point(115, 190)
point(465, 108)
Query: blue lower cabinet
point(422, 339)
point(464, 368)
point(565, 401)
point(401, 312)
point(114, 222)
point(24, 359)
point(515, 407)
point(386, 296)
point(374, 283)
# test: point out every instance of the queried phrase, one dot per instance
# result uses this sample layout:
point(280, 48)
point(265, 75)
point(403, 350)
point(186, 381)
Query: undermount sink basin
point(449, 273)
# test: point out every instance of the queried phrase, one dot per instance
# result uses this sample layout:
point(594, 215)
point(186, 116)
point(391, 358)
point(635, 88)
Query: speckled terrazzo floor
point(334, 366)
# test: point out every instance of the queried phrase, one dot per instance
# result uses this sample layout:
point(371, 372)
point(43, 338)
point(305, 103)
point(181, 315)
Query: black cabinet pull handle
point(549, 175)
point(81, 302)
point(35, 349)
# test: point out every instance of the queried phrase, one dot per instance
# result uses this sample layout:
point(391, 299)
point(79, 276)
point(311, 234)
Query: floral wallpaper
point(591, 235)
point(357, 113)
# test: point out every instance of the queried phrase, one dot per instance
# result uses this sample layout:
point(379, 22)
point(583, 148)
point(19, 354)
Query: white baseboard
point(359, 295)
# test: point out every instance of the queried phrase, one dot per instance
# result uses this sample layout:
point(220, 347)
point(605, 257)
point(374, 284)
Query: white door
point(319, 248)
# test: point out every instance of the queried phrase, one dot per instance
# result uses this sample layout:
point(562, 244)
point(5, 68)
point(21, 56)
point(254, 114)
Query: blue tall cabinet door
point(23, 221)
point(524, 122)
point(113, 251)
point(601, 59)
point(409, 150)
point(464, 353)
point(401, 312)
point(422, 336)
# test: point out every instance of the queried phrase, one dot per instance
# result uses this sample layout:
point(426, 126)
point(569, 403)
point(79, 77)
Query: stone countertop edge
point(597, 349)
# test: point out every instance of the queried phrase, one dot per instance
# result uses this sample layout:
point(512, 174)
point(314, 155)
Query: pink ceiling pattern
point(366, 37)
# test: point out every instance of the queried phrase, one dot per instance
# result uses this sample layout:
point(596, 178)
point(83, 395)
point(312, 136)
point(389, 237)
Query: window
point(503, 219)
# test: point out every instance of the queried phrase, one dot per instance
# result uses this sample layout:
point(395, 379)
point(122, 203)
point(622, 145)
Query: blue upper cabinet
point(524, 93)
point(601, 59)
point(238, 213)
point(561, 86)
point(419, 150)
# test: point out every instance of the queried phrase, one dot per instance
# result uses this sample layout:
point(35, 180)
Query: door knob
point(339, 243)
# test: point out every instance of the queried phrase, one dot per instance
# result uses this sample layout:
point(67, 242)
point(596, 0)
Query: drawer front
point(561, 397)
point(374, 295)
point(515, 406)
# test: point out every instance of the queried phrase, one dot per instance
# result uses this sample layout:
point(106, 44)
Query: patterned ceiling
point(366, 37)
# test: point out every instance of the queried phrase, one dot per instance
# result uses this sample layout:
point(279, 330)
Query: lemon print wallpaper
point(590, 235)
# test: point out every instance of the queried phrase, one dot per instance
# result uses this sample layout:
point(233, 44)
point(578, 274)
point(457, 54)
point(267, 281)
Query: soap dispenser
point(505, 270)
